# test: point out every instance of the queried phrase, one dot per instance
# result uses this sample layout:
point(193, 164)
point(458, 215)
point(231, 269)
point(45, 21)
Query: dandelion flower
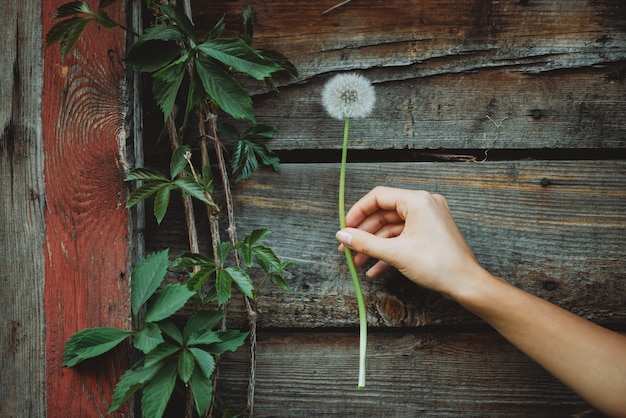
point(348, 96)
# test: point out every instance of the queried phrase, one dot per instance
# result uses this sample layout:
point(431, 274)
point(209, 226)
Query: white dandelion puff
point(348, 96)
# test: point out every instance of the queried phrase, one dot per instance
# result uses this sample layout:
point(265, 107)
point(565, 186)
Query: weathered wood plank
point(87, 252)
point(22, 203)
point(409, 374)
point(554, 228)
point(448, 73)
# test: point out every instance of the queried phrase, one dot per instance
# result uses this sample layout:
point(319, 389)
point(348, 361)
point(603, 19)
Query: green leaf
point(197, 279)
point(179, 17)
point(280, 281)
point(260, 130)
point(223, 88)
point(192, 188)
point(145, 191)
point(72, 9)
point(222, 286)
point(133, 380)
point(145, 174)
point(282, 61)
point(171, 330)
point(186, 364)
point(161, 202)
point(217, 30)
point(169, 300)
point(242, 279)
point(256, 235)
point(91, 342)
point(206, 362)
point(223, 249)
point(267, 260)
point(188, 259)
point(148, 338)
point(201, 322)
point(236, 53)
point(146, 278)
point(244, 162)
point(158, 391)
point(207, 178)
point(247, 31)
point(179, 160)
point(160, 353)
point(67, 32)
point(232, 339)
point(167, 82)
point(103, 19)
point(202, 390)
point(150, 56)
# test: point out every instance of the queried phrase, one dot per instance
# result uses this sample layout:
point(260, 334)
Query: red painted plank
point(87, 236)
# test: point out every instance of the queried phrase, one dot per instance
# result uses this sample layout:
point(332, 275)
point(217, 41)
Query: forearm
point(591, 360)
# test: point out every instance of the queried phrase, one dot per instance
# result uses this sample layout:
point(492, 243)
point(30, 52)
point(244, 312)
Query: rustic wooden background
point(512, 109)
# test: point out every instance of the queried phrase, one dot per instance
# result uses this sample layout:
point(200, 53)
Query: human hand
point(414, 232)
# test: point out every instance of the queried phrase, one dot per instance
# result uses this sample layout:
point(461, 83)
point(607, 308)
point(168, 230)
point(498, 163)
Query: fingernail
point(344, 237)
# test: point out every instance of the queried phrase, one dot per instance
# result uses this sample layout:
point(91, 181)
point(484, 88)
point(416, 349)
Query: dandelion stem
point(350, 261)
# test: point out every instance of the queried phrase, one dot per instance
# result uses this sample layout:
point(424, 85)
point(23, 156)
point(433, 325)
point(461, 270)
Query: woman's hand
point(414, 232)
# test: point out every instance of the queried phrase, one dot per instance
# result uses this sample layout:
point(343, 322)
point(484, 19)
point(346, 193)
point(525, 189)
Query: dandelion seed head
point(348, 96)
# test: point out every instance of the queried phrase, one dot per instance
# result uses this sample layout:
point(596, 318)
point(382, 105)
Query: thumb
point(363, 242)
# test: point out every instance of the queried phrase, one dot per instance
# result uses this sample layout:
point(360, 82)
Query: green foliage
point(203, 74)
point(160, 186)
point(248, 151)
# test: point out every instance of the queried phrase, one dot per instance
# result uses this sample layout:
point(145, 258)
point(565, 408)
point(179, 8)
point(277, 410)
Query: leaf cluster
point(75, 16)
point(182, 176)
point(171, 353)
point(253, 254)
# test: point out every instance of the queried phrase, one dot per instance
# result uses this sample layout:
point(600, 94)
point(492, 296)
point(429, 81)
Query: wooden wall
point(512, 109)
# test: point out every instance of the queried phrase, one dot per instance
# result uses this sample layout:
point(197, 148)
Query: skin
point(414, 232)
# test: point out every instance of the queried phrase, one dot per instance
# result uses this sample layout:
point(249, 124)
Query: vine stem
point(232, 234)
point(353, 273)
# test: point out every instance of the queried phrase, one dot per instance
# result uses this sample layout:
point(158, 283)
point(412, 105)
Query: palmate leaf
point(67, 32)
point(188, 259)
point(246, 157)
point(236, 53)
point(169, 300)
point(167, 82)
point(146, 278)
point(150, 56)
point(221, 87)
point(192, 188)
point(72, 9)
point(133, 380)
point(158, 391)
point(92, 342)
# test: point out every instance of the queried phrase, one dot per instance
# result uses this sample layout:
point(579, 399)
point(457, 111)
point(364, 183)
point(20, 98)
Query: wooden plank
point(22, 203)
point(409, 374)
point(87, 261)
point(554, 228)
point(448, 74)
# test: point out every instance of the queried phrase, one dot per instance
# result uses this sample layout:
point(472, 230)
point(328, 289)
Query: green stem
point(353, 273)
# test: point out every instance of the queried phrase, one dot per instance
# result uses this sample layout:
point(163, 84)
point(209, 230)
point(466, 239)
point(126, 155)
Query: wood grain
point(87, 252)
point(409, 374)
point(22, 203)
point(554, 228)
point(448, 74)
